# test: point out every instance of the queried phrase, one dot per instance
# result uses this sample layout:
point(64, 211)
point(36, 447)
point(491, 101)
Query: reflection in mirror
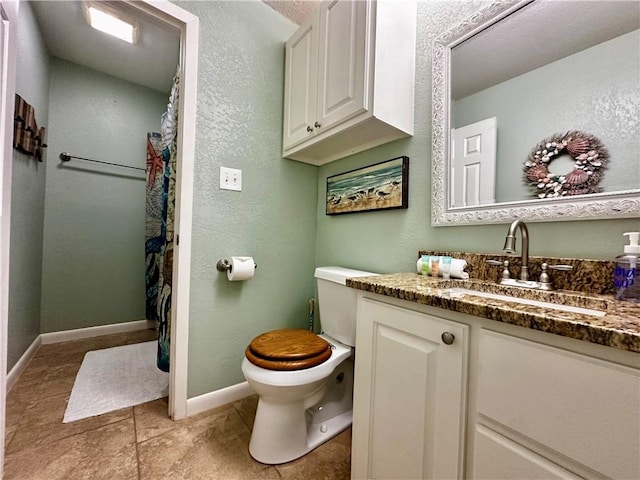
point(514, 75)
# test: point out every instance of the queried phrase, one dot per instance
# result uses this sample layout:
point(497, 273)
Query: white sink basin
point(458, 292)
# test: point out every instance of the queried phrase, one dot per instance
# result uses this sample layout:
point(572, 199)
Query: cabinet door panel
point(583, 408)
point(410, 389)
point(342, 54)
point(301, 76)
point(401, 402)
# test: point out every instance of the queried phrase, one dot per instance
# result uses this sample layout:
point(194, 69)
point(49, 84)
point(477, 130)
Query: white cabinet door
point(300, 85)
point(409, 406)
point(342, 63)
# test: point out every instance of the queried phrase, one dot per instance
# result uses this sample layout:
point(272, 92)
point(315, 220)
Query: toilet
point(304, 380)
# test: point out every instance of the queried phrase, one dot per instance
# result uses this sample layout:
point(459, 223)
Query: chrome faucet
point(510, 246)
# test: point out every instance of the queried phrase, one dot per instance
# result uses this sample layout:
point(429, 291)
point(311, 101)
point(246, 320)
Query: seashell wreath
point(587, 151)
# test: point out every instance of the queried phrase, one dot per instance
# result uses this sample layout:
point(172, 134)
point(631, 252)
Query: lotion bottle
point(625, 276)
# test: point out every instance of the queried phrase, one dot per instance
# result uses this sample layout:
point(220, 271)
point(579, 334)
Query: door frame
point(8, 54)
point(188, 25)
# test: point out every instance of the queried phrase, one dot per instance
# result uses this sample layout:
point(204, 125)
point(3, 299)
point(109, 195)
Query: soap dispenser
point(625, 276)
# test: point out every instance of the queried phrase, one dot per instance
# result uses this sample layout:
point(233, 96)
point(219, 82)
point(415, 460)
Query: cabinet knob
point(317, 125)
point(448, 338)
point(309, 129)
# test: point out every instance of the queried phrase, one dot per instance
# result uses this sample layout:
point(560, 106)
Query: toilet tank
point(337, 302)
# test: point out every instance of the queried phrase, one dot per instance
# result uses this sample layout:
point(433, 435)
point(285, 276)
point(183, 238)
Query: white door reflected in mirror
point(473, 163)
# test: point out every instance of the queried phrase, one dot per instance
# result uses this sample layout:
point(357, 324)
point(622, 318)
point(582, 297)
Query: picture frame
point(381, 186)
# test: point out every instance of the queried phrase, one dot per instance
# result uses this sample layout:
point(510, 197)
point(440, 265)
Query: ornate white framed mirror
point(539, 69)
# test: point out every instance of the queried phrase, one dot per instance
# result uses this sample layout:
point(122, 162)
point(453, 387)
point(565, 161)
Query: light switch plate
point(230, 179)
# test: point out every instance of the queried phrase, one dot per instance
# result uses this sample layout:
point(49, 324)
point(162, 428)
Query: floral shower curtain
point(160, 209)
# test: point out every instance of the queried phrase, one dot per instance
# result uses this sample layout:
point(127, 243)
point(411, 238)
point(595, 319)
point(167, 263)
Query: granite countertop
point(619, 328)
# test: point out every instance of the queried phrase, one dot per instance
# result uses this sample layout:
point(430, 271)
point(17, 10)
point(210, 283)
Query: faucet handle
point(564, 268)
point(545, 280)
point(505, 264)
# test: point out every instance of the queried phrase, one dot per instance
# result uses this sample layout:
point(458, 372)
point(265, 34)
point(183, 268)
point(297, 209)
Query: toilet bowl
point(304, 381)
point(282, 427)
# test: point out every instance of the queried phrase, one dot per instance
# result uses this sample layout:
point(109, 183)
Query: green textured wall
point(94, 265)
point(239, 125)
point(27, 195)
point(389, 241)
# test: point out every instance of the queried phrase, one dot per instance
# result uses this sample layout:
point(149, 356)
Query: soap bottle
point(625, 276)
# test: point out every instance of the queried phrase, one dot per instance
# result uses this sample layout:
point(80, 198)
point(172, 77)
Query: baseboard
point(80, 333)
point(210, 400)
point(22, 363)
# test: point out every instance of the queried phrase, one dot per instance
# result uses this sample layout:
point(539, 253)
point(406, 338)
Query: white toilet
point(305, 380)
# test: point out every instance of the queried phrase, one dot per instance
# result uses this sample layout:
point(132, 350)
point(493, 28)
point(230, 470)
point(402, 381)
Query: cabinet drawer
point(496, 458)
point(576, 406)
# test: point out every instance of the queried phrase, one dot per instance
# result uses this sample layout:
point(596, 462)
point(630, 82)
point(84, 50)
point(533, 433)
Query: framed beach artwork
point(381, 186)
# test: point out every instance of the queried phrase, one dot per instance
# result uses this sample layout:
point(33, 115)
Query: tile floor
point(139, 442)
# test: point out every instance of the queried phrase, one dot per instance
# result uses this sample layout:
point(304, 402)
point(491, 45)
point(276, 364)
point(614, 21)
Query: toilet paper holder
point(224, 265)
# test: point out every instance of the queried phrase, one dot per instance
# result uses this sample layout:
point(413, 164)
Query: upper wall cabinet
point(349, 79)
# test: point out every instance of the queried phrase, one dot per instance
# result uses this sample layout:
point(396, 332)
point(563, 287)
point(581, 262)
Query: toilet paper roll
point(242, 268)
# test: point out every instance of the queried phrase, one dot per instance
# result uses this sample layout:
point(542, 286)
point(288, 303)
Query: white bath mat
point(116, 378)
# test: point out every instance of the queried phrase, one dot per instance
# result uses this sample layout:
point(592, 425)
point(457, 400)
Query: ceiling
point(295, 10)
point(534, 36)
point(150, 62)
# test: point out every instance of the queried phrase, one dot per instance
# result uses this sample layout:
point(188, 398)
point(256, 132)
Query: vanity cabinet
point(349, 79)
point(500, 402)
point(409, 400)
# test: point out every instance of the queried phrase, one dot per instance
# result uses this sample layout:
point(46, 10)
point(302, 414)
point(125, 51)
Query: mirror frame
point(622, 204)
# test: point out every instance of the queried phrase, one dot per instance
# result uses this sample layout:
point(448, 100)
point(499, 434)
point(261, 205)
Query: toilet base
point(283, 432)
point(319, 433)
point(284, 443)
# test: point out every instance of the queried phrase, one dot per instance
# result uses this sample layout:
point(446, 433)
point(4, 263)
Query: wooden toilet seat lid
point(288, 349)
